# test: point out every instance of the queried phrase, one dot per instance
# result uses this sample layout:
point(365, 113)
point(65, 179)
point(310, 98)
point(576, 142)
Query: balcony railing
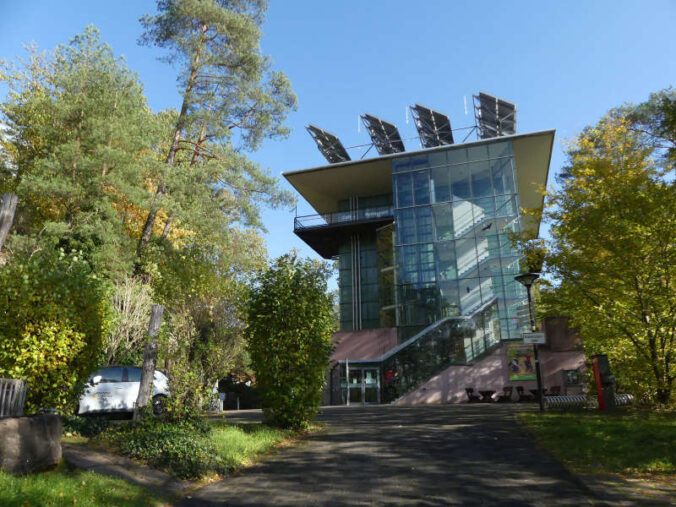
point(342, 217)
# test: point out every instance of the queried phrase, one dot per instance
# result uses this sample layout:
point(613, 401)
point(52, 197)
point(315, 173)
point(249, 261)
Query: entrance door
point(363, 386)
point(370, 385)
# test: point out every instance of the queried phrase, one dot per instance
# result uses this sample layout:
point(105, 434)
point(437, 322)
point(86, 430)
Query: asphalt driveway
point(436, 455)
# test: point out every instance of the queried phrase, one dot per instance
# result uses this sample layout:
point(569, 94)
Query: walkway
point(435, 455)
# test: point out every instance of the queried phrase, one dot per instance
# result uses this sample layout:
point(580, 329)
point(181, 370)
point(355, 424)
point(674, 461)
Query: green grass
point(240, 444)
point(65, 487)
point(627, 442)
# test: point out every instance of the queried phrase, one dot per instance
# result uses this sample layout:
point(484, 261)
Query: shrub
point(84, 426)
point(290, 322)
point(180, 447)
point(54, 313)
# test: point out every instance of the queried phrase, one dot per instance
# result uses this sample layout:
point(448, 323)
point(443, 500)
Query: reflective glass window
point(424, 223)
point(440, 184)
point(460, 182)
point(421, 186)
point(406, 226)
point(443, 221)
point(404, 188)
point(481, 179)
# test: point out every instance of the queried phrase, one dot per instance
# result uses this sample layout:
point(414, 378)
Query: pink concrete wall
point(491, 374)
point(363, 344)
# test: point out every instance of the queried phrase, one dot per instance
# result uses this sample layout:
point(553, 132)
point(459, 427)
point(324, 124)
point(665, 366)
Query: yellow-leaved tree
point(613, 248)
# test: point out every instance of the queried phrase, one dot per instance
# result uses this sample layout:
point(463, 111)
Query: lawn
point(238, 445)
point(192, 448)
point(71, 487)
point(626, 442)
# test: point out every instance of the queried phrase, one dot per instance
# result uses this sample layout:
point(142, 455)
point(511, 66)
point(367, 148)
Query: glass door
point(361, 386)
point(370, 385)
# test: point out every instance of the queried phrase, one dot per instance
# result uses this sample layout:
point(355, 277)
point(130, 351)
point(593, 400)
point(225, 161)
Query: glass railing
point(453, 340)
point(342, 217)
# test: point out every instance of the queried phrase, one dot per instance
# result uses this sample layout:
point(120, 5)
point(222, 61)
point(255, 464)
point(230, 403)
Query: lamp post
point(527, 280)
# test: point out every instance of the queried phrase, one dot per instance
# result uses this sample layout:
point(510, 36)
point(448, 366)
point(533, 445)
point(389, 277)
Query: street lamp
point(527, 280)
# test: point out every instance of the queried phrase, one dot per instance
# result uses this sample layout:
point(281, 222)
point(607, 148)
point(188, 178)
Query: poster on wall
point(520, 362)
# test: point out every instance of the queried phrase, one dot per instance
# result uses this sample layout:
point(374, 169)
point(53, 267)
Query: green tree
point(54, 315)
point(79, 147)
point(232, 101)
point(290, 322)
point(613, 251)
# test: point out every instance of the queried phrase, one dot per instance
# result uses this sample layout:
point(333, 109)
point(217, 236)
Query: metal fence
point(12, 397)
point(581, 401)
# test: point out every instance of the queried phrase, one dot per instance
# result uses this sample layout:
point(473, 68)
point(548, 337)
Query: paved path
point(436, 455)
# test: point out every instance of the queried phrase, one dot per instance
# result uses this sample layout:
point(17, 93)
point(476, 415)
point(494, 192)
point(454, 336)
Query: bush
point(181, 447)
point(290, 323)
point(54, 314)
point(84, 426)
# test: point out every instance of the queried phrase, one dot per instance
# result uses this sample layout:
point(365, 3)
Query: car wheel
point(159, 404)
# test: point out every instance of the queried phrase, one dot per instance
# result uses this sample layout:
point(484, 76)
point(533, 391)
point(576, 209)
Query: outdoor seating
point(486, 395)
point(472, 398)
point(523, 395)
point(506, 395)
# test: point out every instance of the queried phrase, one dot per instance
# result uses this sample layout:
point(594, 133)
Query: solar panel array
point(329, 145)
point(434, 128)
point(384, 135)
point(494, 117)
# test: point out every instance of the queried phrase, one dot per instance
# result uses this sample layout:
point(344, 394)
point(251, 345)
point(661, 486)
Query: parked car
point(115, 389)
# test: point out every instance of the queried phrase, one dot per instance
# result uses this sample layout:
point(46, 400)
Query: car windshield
point(111, 374)
point(134, 374)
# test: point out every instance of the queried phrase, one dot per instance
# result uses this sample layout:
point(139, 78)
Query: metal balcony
point(324, 232)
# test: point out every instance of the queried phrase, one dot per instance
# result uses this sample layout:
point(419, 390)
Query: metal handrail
point(343, 217)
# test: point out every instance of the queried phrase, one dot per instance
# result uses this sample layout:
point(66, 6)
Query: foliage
point(205, 338)
point(290, 322)
point(625, 441)
point(614, 253)
point(84, 426)
point(63, 487)
point(179, 447)
point(232, 101)
point(132, 301)
point(238, 445)
point(192, 447)
point(93, 167)
point(79, 141)
point(54, 315)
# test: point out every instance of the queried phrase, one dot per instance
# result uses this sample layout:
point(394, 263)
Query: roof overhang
point(324, 187)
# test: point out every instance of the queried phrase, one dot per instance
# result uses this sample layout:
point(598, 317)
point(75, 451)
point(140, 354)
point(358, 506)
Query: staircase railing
point(452, 340)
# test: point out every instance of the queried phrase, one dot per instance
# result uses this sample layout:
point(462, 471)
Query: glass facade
point(448, 252)
point(454, 212)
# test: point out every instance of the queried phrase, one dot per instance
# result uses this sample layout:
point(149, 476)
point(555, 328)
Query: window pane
point(481, 179)
point(443, 222)
point(112, 374)
point(404, 190)
point(424, 224)
point(460, 182)
point(421, 187)
point(442, 191)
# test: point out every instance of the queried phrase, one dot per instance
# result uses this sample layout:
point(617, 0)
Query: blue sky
point(563, 63)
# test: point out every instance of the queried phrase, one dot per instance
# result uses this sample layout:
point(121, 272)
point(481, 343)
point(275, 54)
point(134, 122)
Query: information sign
point(534, 338)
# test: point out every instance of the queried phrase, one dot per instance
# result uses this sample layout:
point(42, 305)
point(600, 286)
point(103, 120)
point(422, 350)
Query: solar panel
point(494, 117)
point(434, 128)
point(384, 135)
point(328, 144)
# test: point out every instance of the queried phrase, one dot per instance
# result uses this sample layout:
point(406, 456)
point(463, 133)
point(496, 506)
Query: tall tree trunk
point(193, 161)
point(7, 210)
point(180, 125)
point(149, 360)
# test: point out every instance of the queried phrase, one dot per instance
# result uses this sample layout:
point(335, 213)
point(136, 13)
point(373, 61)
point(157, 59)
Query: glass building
point(423, 246)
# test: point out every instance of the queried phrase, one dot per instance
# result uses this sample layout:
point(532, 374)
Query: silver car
point(115, 389)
